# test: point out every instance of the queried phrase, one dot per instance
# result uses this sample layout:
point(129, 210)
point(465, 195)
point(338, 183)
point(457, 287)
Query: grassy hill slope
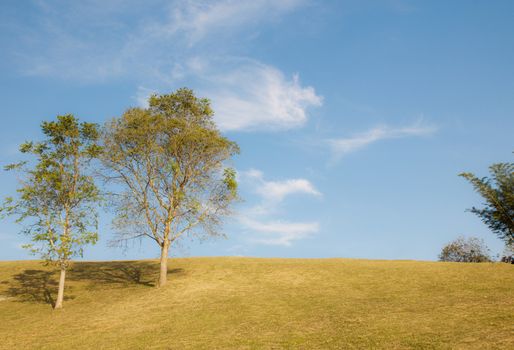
point(244, 303)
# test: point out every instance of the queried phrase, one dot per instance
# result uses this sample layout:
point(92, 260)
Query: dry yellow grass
point(244, 303)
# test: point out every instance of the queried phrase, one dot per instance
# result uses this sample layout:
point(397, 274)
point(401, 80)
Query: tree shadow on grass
point(119, 273)
point(36, 286)
point(41, 287)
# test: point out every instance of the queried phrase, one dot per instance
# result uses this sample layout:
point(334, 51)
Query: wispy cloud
point(94, 40)
point(261, 218)
point(185, 43)
point(280, 232)
point(200, 19)
point(343, 146)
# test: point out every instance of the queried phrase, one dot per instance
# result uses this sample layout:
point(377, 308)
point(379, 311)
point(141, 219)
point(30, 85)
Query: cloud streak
point(282, 233)
point(343, 146)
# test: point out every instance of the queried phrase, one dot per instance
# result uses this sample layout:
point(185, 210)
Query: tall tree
point(170, 161)
point(57, 197)
point(498, 192)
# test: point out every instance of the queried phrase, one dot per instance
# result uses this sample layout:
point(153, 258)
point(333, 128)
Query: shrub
point(464, 249)
point(508, 254)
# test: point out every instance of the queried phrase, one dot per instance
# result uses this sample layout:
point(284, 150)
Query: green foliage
point(465, 250)
point(57, 198)
point(498, 193)
point(229, 179)
point(170, 160)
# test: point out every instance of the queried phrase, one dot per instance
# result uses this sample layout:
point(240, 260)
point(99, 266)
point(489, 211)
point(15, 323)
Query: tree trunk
point(60, 294)
point(163, 276)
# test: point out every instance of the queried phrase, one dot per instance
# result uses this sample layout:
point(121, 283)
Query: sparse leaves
point(465, 250)
point(56, 198)
point(169, 159)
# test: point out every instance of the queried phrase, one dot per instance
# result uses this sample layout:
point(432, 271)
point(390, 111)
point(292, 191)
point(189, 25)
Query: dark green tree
point(57, 197)
point(169, 159)
point(498, 193)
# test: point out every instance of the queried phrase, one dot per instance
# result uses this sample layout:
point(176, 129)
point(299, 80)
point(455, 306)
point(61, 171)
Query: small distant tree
point(498, 192)
point(57, 197)
point(508, 254)
point(465, 250)
point(168, 160)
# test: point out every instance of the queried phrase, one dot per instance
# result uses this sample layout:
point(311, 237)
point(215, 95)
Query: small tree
point(169, 159)
point(465, 250)
point(57, 198)
point(498, 193)
point(508, 254)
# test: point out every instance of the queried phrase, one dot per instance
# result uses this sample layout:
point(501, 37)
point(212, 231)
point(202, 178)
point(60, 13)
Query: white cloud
point(257, 96)
point(278, 190)
point(274, 192)
point(261, 218)
point(280, 232)
point(343, 146)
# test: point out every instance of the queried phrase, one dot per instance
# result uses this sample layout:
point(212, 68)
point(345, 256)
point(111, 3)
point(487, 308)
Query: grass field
point(245, 303)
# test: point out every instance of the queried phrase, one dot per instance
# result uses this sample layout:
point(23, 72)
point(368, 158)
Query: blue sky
point(354, 117)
